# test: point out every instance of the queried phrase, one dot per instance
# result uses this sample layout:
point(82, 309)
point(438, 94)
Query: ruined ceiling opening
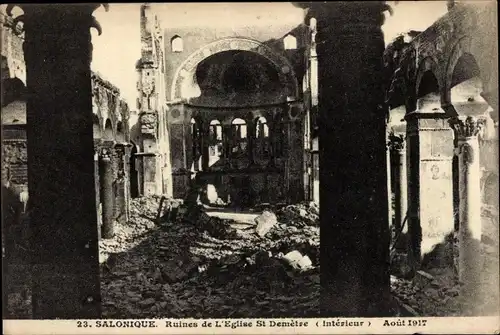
point(235, 72)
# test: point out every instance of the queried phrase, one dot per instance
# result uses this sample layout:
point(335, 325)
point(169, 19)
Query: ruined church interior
point(203, 178)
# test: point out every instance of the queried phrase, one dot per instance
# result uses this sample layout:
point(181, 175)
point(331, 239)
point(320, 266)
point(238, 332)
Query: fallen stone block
point(265, 222)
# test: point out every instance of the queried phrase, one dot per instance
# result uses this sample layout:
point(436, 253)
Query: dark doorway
point(134, 178)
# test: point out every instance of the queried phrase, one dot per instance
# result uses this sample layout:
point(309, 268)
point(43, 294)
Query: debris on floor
point(197, 265)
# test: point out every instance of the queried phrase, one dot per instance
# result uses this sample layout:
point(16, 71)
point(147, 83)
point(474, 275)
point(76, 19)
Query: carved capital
point(466, 128)
point(396, 142)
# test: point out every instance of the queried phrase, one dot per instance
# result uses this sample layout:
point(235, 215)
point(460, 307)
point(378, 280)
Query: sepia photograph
point(227, 167)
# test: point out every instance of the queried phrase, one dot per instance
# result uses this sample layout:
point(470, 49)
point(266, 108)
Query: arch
point(108, 130)
point(215, 130)
point(12, 89)
point(462, 46)
point(427, 67)
point(177, 44)
point(290, 42)
point(96, 126)
point(120, 135)
point(187, 69)
point(261, 129)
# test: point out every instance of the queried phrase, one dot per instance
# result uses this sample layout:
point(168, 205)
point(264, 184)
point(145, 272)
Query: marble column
point(57, 51)
point(352, 152)
point(470, 256)
point(107, 195)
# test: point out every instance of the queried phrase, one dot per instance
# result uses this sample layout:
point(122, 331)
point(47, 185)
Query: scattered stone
point(265, 222)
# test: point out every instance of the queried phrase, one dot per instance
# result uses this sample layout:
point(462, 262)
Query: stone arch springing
point(186, 72)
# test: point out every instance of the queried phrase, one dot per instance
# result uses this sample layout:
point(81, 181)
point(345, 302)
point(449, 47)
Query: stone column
point(402, 187)
point(57, 51)
point(107, 198)
point(352, 142)
point(430, 186)
point(470, 258)
point(204, 133)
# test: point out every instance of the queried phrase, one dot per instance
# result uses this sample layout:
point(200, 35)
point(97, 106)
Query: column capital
point(466, 127)
point(396, 142)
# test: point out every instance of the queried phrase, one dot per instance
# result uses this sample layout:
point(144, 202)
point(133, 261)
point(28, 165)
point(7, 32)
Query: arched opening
point(96, 127)
point(108, 130)
point(196, 135)
point(262, 142)
point(428, 85)
point(466, 87)
point(235, 78)
point(120, 134)
point(290, 42)
point(239, 138)
point(214, 142)
point(134, 174)
point(177, 44)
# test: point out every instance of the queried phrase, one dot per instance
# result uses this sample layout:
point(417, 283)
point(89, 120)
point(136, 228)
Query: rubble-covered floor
point(182, 269)
point(175, 269)
point(438, 295)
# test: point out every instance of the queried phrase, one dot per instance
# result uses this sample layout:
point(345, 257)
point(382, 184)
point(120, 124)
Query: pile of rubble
point(300, 215)
point(435, 291)
point(195, 265)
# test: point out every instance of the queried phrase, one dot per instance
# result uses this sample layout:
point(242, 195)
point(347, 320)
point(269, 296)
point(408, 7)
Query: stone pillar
point(57, 51)
point(352, 141)
point(120, 183)
point(107, 197)
point(402, 188)
point(470, 256)
point(430, 194)
point(204, 133)
point(251, 130)
point(127, 195)
point(226, 143)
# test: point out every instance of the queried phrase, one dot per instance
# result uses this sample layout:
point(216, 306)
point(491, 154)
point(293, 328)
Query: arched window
point(290, 42)
point(215, 142)
point(261, 129)
point(177, 44)
point(195, 136)
point(215, 131)
point(239, 138)
point(262, 141)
